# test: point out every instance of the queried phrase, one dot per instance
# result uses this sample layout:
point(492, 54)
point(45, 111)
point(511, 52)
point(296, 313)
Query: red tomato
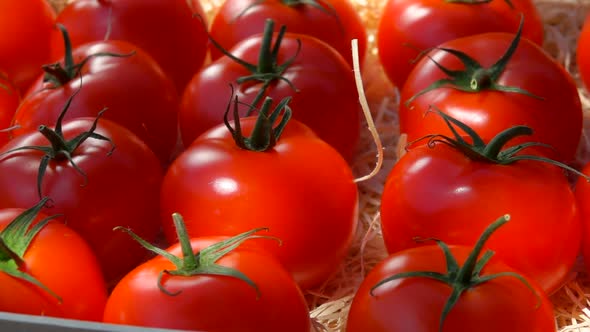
point(325, 98)
point(582, 193)
point(408, 27)
point(583, 53)
point(119, 187)
point(222, 189)
point(165, 29)
point(554, 111)
point(437, 191)
point(25, 44)
point(136, 92)
point(204, 301)
point(415, 304)
point(68, 269)
point(335, 22)
point(9, 100)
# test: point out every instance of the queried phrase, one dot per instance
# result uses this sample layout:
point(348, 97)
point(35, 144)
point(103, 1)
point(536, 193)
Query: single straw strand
point(366, 112)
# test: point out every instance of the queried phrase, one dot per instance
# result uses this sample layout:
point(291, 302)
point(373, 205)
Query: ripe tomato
point(136, 92)
point(415, 302)
point(548, 101)
point(408, 27)
point(583, 53)
point(203, 299)
point(25, 43)
point(9, 100)
point(582, 194)
point(223, 189)
point(71, 282)
point(321, 84)
point(335, 22)
point(98, 189)
point(436, 190)
point(165, 29)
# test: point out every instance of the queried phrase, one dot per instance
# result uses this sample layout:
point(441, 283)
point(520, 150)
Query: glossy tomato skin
point(208, 302)
point(336, 26)
point(326, 99)
point(9, 100)
point(439, 192)
point(583, 53)
point(136, 91)
point(69, 268)
point(408, 27)
point(25, 44)
point(122, 189)
point(301, 190)
point(415, 304)
point(165, 29)
point(555, 117)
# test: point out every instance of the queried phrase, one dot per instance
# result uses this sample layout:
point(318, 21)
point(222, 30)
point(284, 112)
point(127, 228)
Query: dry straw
point(329, 303)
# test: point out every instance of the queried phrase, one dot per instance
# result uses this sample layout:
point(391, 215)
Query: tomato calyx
point(474, 77)
point(267, 70)
point(494, 151)
point(202, 262)
point(462, 278)
point(59, 75)
point(62, 149)
point(15, 240)
point(264, 136)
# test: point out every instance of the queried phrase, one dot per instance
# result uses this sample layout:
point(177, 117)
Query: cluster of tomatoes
point(493, 125)
point(120, 138)
point(158, 169)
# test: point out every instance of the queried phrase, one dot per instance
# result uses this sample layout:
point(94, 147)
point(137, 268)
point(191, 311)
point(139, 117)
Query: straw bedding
point(329, 304)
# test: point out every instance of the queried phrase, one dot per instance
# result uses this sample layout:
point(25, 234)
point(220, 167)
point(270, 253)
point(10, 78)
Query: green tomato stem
point(264, 136)
point(189, 260)
point(265, 60)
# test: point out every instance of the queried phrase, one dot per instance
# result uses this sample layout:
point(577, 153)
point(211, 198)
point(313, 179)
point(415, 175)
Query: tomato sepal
point(61, 148)
point(493, 151)
point(267, 70)
point(462, 278)
point(264, 136)
point(202, 262)
point(475, 78)
point(59, 75)
point(15, 240)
